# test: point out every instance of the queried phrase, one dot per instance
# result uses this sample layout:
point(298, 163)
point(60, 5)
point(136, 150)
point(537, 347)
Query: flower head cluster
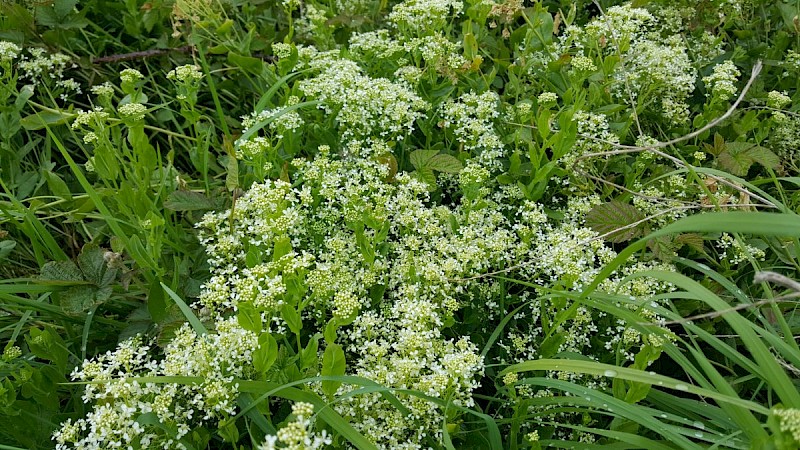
point(132, 111)
point(39, 64)
point(789, 421)
point(186, 73)
point(364, 106)
point(215, 359)
point(9, 51)
point(652, 64)
point(298, 434)
point(419, 17)
point(103, 91)
point(471, 117)
point(92, 119)
point(722, 81)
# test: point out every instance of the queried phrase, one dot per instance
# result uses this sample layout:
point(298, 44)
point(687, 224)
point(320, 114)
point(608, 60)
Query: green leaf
point(188, 201)
point(308, 357)
point(445, 163)
point(6, 247)
point(94, 267)
point(739, 156)
point(61, 271)
point(249, 317)
point(426, 174)
point(156, 303)
point(43, 119)
point(333, 364)
point(57, 185)
point(608, 217)
point(247, 63)
point(292, 318)
point(419, 158)
point(283, 246)
point(266, 353)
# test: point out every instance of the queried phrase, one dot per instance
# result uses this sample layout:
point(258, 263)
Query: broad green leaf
point(292, 318)
point(420, 158)
point(6, 247)
point(333, 364)
point(614, 215)
point(156, 303)
point(249, 317)
point(266, 353)
point(43, 119)
point(247, 63)
point(445, 163)
point(188, 201)
point(197, 326)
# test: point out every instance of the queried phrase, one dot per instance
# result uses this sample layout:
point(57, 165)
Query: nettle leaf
point(426, 174)
point(739, 156)
point(94, 267)
point(61, 271)
point(420, 158)
point(92, 278)
point(608, 217)
point(445, 163)
point(692, 240)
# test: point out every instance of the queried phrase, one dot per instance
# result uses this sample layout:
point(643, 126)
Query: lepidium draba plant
point(422, 198)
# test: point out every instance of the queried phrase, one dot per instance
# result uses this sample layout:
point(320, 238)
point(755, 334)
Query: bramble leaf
point(615, 215)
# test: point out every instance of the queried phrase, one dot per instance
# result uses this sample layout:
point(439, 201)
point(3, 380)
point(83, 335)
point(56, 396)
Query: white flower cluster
point(39, 67)
point(214, 360)
point(131, 76)
point(789, 420)
point(92, 119)
point(281, 121)
point(435, 50)
point(722, 81)
point(470, 117)
point(185, 73)
point(594, 136)
point(105, 90)
point(9, 51)
point(650, 64)
point(364, 106)
point(420, 17)
point(132, 111)
point(298, 434)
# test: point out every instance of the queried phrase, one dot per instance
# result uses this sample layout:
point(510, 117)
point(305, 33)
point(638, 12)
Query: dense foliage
point(411, 224)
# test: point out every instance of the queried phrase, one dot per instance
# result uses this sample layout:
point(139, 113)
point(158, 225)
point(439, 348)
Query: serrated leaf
point(426, 174)
point(445, 163)
point(739, 156)
point(61, 271)
point(188, 201)
point(419, 158)
point(693, 240)
point(333, 364)
point(614, 215)
point(93, 265)
point(763, 156)
point(79, 299)
point(662, 247)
